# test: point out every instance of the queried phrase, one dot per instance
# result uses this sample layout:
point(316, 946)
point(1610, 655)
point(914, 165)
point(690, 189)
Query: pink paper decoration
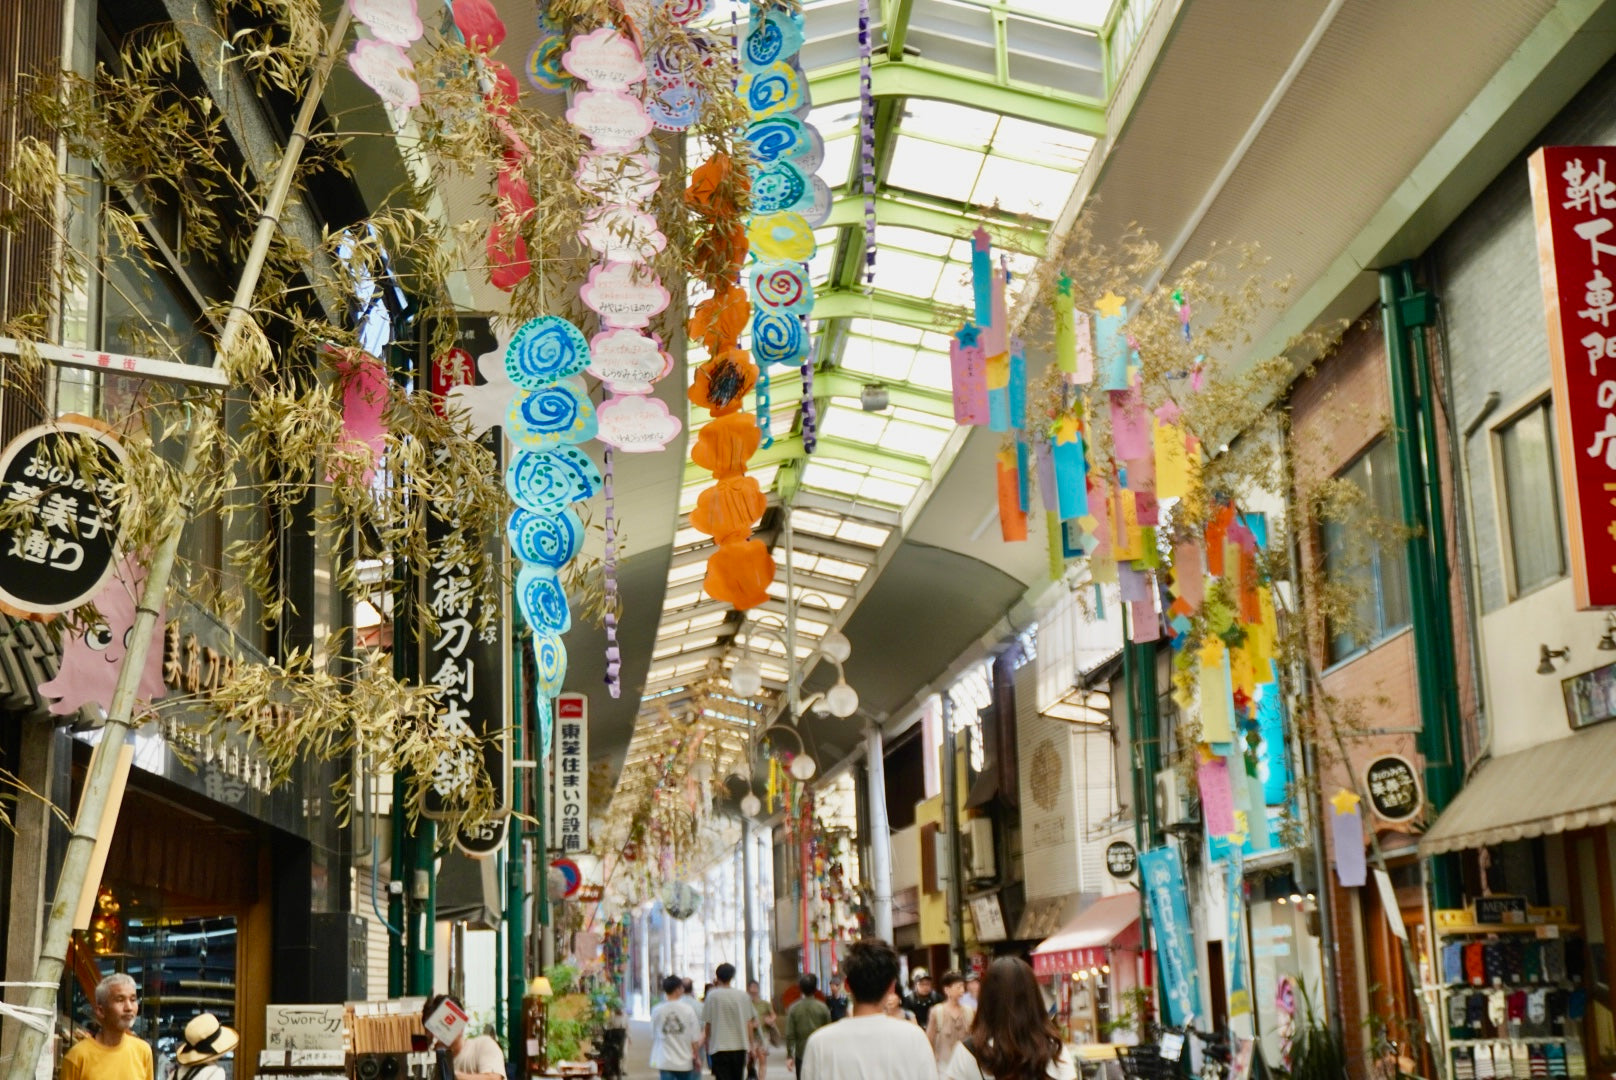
point(970, 383)
point(396, 22)
point(385, 69)
point(364, 401)
point(90, 660)
point(1130, 434)
point(1217, 796)
point(627, 361)
point(637, 424)
point(624, 295)
point(618, 178)
point(611, 118)
point(479, 24)
point(623, 234)
point(604, 59)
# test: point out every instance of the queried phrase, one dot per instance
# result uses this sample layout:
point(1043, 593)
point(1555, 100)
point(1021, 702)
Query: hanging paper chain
point(614, 659)
point(867, 140)
point(810, 425)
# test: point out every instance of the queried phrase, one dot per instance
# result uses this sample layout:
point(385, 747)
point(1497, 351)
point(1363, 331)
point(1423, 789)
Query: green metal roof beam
point(848, 385)
point(849, 210)
point(887, 307)
point(914, 77)
point(789, 448)
point(895, 21)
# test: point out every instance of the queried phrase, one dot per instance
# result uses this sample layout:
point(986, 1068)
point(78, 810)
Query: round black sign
point(60, 528)
point(1394, 788)
point(481, 841)
point(1121, 860)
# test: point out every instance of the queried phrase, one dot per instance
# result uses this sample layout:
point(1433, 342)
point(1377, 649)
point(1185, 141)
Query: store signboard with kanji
point(1575, 207)
point(569, 817)
point(59, 532)
point(466, 660)
point(1394, 788)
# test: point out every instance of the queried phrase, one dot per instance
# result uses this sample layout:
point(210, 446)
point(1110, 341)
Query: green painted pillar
point(1404, 313)
point(515, 913)
point(422, 948)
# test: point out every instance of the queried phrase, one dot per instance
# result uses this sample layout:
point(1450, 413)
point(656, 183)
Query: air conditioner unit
point(978, 854)
point(1174, 808)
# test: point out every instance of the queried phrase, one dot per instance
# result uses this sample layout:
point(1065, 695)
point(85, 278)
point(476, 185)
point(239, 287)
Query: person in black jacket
point(923, 998)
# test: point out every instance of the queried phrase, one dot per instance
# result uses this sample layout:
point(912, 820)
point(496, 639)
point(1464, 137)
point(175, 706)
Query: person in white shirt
point(869, 1045)
point(973, 987)
point(731, 1026)
point(675, 1033)
point(1011, 1035)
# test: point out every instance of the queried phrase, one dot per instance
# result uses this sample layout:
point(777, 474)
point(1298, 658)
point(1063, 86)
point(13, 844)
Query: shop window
point(1530, 499)
point(1365, 555)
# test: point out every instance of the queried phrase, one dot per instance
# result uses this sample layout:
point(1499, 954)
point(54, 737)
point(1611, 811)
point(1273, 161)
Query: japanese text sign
point(466, 659)
point(1394, 788)
point(569, 816)
point(60, 536)
point(1575, 207)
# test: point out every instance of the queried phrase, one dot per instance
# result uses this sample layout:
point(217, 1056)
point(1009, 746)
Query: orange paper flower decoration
point(719, 319)
point(713, 186)
point(719, 254)
point(728, 510)
point(739, 572)
point(723, 381)
point(724, 445)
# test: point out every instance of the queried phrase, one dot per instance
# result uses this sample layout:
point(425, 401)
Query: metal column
point(880, 835)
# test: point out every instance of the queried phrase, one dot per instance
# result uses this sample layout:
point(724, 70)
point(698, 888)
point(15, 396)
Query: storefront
point(1091, 968)
point(1540, 907)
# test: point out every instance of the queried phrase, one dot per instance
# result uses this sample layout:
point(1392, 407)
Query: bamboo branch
point(104, 763)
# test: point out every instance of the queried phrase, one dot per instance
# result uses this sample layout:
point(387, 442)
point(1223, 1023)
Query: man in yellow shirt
point(114, 1054)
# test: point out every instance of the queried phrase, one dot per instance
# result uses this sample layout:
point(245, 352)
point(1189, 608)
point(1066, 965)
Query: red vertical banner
point(1575, 207)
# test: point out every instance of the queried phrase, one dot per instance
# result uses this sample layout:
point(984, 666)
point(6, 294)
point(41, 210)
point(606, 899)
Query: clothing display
point(1514, 1004)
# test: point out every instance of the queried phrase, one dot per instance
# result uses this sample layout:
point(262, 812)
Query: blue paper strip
point(1163, 877)
point(1071, 478)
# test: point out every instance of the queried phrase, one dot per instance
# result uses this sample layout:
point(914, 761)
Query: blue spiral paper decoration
point(542, 599)
point(545, 350)
point(585, 473)
point(550, 663)
point(551, 540)
point(776, 36)
point(779, 138)
point(772, 90)
point(778, 338)
point(780, 187)
point(544, 483)
point(558, 415)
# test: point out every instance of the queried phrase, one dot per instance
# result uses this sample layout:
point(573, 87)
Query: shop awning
point(1084, 942)
point(1558, 786)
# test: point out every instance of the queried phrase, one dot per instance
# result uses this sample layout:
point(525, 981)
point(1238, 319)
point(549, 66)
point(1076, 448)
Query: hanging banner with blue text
point(1163, 876)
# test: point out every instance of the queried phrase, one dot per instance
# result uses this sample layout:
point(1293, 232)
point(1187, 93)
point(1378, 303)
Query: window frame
point(1540, 402)
point(1382, 630)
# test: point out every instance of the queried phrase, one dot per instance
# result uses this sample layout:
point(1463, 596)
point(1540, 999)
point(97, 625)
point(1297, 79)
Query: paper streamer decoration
point(614, 655)
point(542, 600)
point(387, 70)
point(771, 37)
point(395, 22)
point(636, 424)
point(1111, 342)
point(541, 482)
point(552, 540)
point(781, 287)
point(778, 338)
point(623, 295)
point(867, 139)
point(1346, 835)
point(550, 667)
point(969, 378)
point(545, 350)
point(1217, 795)
point(557, 415)
point(628, 361)
point(773, 89)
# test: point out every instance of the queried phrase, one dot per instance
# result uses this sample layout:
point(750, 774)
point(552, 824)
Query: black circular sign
point(60, 532)
point(1121, 860)
point(1394, 788)
point(484, 839)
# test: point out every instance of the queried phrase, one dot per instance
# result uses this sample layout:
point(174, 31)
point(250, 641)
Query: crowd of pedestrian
point(864, 1027)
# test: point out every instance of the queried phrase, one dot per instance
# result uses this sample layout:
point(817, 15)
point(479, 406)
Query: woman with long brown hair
point(1012, 1037)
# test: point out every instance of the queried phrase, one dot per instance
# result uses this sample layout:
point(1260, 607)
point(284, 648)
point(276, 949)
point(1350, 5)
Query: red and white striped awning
point(1108, 923)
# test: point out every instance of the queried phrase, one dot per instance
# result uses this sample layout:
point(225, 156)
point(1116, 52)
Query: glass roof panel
point(855, 425)
point(916, 240)
point(886, 331)
point(859, 482)
point(959, 124)
point(929, 168)
point(837, 167)
point(1042, 142)
point(807, 597)
point(1019, 188)
point(905, 273)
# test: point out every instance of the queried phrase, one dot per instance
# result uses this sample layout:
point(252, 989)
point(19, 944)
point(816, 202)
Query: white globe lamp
point(841, 700)
point(803, 767)
point(751, 805)
point(746, 677)
point(836, 646)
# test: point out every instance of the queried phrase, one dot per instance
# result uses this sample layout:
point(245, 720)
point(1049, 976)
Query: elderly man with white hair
point(114, 1053)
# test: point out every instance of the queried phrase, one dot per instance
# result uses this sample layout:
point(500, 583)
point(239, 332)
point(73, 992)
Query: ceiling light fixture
point(874, 397)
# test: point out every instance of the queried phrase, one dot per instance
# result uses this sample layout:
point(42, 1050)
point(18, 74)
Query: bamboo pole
point(104, 762)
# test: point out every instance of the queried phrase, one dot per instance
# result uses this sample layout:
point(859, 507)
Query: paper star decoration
point(486, 406)
point(1344, 801)
point(1110, 305)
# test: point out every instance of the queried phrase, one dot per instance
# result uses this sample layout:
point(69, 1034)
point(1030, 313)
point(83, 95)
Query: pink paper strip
point(1217, 796)
point(1189, 573)
point(1143, 621)
point(1130, 435)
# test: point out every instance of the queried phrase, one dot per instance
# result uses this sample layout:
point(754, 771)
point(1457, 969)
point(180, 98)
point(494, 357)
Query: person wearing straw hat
point(206, 1041)
point(115, 1053)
